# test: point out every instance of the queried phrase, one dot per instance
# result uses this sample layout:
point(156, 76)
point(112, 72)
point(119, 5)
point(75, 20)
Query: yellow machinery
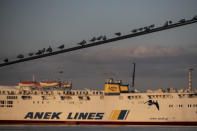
point(115, 88)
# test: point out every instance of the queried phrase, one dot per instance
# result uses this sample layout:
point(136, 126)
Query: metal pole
point(190, 78)
point(133, 78)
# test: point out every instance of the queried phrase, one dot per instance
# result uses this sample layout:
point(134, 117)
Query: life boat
point(48, 83)
point(27, 83)
point(67, 84)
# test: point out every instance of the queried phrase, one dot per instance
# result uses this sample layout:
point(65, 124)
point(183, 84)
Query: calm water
point(95, 128)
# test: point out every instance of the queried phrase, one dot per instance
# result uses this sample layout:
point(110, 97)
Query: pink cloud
point(140, 51)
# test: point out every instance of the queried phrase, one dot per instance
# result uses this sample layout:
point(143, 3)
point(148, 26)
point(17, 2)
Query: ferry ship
point(53, 102)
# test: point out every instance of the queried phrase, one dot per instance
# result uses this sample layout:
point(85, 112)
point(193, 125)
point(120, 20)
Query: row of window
point(6, 105)
point(26, 97)
point(81, 93)
point(135, 97)
point(7, 93)
point(180, 105)
point(50, 93)
point(160, 96)
point(47, 102)
point(192, 105)
point(188, 95)
point(11, 97)
point(6, 102)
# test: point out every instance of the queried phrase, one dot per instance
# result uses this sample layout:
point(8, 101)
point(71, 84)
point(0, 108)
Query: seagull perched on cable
point(39, 52)
point(140, 29)
point(170, 22)
point(49, 49)
point(43, 50)
point(5, 60)
point(61, 46)
point(93, 39)
point(118, 34)
point(82, 43)
point(31, 54)
point(135, 30)
point(152, 26)
point(100, 37)
point(104, 38)
point(20, 56)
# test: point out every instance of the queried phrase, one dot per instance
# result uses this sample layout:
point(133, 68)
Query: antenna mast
point(133, 76)
point(190, 78)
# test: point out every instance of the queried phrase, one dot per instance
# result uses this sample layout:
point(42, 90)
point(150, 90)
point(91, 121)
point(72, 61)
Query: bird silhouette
point(5, 60)
point(152, 26)
point(20, 56)
point(31, 54)
point(93, 39)
point(100, 37)
point(147, 29)
point(61, 46)
point(140, 29)
point(82, 43)
point(39, 52)
point(194, 18)
point(170, 22)
point(118, 34)
point(182, 20)
point(104, 38)
point(165, 24)
point(151, 102)
point(135, 30)
point(49, 49)
point(43, 50)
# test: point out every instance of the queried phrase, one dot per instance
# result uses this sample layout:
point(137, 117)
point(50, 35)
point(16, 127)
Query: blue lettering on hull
point(70, 116)
point(85, 116)
point(43, 115)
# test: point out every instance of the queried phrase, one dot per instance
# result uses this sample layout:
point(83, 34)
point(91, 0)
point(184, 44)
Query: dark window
point(2, 102)
point(10, 102)
point(189, 105)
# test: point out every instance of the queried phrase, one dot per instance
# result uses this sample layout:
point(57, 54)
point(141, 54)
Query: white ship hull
point(99, 109)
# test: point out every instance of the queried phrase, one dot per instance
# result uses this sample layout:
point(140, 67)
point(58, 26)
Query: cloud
point(155, 51)
point(125, 52)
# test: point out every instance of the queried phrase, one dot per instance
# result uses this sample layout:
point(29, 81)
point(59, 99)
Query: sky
point(162, 58)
